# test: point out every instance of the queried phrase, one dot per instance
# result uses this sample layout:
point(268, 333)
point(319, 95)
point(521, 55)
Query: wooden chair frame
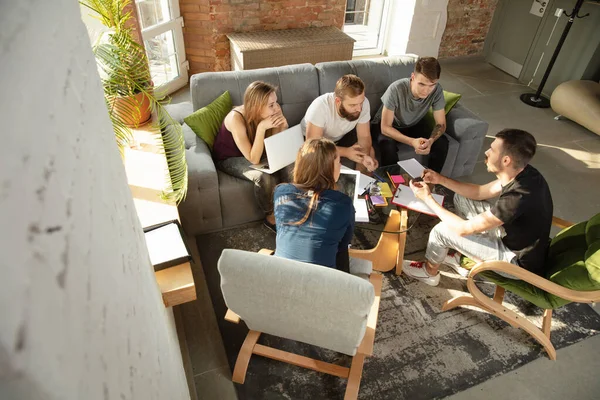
point(353, 374)
point(494, 306)
point(389, 251)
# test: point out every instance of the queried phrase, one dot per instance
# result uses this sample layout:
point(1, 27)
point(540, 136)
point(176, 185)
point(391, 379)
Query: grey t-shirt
point(408, 111)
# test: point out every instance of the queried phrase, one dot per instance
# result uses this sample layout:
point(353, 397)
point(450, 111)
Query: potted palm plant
point(129, 94)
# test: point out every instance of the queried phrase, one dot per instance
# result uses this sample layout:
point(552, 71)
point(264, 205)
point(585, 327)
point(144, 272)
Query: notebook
point(165, 245)
point(404, 197)
point(412, 167)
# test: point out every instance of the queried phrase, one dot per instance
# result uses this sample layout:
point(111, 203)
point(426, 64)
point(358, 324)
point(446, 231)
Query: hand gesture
point(370, 163)
point(273, 121)
point(421, 145)
point(430, 176)
point(420, 189)
point(355, 153)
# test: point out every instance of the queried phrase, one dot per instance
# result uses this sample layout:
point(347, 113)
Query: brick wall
point(467, 26)
point(208, 21)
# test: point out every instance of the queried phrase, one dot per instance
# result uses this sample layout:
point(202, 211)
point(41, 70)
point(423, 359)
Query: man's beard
point(347, 115)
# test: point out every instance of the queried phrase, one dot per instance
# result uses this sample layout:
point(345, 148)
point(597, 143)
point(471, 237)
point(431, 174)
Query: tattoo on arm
point(437, 132)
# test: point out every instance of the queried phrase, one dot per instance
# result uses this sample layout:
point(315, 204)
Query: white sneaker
point(453, 261)
point(416, 269)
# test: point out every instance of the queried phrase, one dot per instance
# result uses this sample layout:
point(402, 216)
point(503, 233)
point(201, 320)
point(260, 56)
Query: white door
point(162, 34)
point(428, 25)
point(365, 22)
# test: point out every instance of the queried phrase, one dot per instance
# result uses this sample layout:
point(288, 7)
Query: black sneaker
point(269, 225)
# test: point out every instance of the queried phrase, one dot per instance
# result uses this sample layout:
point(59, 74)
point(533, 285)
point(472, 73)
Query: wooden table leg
point(384, 256)
point(402, 239)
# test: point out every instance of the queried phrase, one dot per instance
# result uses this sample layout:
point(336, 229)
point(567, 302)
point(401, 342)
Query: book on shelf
point(166, 245)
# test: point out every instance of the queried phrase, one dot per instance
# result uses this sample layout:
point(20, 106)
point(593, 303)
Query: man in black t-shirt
point(514, 229)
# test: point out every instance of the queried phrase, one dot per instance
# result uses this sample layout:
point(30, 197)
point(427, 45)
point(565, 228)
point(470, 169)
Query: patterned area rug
point(420, 352)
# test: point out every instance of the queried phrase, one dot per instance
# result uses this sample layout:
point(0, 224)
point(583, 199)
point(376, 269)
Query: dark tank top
point(224, 146)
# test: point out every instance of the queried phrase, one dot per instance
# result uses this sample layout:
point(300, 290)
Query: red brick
point(196, 17)
point(189, 8)
point(200, 59)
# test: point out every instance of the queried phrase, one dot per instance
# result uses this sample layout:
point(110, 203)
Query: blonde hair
point(256, 98)
point(314, 171)
point(349, 85)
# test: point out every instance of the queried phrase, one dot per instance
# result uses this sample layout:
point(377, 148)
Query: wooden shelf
point(146, 173)
point(176, 284)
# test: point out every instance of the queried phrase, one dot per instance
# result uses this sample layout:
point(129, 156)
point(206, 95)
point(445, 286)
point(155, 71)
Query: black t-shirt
point(525, 207)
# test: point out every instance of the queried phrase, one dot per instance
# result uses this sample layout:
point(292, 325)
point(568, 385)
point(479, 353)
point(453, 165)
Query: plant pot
point(133, 117)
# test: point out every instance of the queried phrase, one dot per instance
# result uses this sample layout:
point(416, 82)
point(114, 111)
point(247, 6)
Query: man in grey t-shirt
point(405, 103)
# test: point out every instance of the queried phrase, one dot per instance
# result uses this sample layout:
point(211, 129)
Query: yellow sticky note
point(385, 189)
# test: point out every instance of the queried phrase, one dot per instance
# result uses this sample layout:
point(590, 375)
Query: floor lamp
point(537, 100)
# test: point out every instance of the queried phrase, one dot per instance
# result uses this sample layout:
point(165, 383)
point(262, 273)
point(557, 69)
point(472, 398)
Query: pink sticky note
point(397, 179)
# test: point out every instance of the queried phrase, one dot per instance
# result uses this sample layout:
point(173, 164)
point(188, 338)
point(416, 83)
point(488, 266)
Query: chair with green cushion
point(573, 275)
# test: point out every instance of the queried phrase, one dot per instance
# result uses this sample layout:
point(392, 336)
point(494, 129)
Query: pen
point(391, 180)
point(380, 179)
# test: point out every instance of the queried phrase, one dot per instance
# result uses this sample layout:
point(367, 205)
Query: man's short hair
point(430, 67)
point(519, 145)
point(349, 85)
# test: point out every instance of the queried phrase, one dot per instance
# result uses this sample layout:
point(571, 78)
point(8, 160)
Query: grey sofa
point(216, 200)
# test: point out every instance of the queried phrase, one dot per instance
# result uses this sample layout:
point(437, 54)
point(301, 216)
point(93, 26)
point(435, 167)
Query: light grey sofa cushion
point(201, 210)
point(469, 131)
point(180, 110)
point(297, 86)
point(308, 303)
point(238, 203)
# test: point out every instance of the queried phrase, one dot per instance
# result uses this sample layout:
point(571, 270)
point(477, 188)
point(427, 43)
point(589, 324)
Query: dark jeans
point(388, 148)
point(348, 140)
point(264, 184)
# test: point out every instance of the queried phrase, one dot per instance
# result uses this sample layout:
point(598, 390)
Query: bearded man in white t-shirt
point(344, 117)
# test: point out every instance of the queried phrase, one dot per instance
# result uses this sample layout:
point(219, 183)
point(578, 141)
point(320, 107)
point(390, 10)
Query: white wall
point(81, 316)
point(415, 26)
point(399, 24)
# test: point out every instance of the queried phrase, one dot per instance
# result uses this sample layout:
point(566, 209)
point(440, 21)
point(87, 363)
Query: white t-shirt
point(323, 113)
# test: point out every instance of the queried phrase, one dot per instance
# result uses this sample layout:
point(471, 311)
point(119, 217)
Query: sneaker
point(416, 269)
point(453, 261)
point(269, 225)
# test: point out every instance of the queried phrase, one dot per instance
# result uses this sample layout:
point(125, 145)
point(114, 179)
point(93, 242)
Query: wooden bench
point(260, 49)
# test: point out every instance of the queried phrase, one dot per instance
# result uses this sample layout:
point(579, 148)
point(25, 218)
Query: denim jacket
point(327, 231)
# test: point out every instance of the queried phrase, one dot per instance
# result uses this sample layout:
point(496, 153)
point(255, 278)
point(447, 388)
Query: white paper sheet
point(362, 213)
point(165, 244)
point(412, 167)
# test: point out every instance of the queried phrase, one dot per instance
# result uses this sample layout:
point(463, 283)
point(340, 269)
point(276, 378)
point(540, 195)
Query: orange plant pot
point(134, 118)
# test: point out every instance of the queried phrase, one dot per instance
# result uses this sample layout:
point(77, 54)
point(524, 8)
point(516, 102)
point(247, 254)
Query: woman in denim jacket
point(314, 221)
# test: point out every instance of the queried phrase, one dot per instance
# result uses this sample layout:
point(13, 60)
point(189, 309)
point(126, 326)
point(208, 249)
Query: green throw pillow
point(206, 121)
point(451, 99)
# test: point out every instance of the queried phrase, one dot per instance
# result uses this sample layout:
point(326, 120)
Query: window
point(365, 22)
point(162, 34)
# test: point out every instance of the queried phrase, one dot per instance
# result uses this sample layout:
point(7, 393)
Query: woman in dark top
point(240, 143)
point(314, 221)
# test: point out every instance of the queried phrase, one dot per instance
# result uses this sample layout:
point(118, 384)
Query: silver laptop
point(281, 149)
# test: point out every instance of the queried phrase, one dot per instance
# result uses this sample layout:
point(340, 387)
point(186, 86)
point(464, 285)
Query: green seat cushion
point(592, 255)
point(521, 288)
point(451, 99)
point(206, 121)
point(573, 262)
